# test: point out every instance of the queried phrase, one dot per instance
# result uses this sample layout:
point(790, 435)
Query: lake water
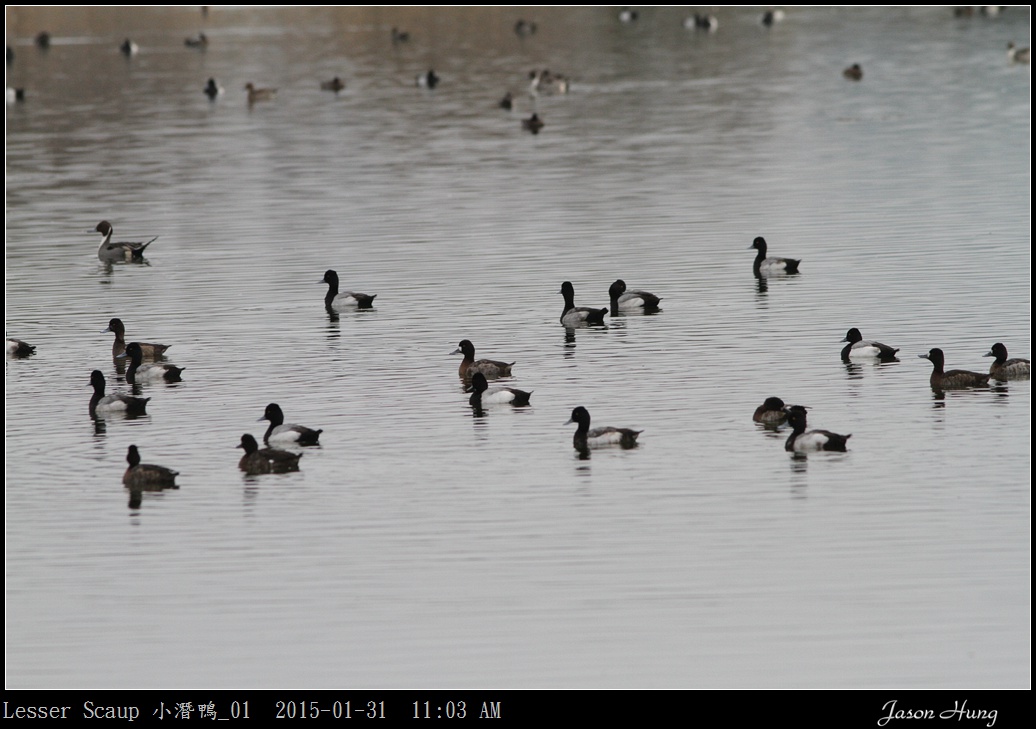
point(426, 545)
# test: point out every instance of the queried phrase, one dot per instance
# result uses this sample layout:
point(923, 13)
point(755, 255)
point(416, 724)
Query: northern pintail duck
point(259, 94)
point(212, 89)
point(853, 73)
point(630, 299)
point(101, 404)
point(18, 348)
point(428, 80)
point(801, 441)
point(122, 250)
point(1007, 369)
point(147, 349)
point(129, 48)
point(265, 460)
point(139, 372)
point(1017, 55)
point(764, 265)
point(483, 394)
point(345, 299)
point(469, 365)
point(533, 124)
point(547, 82)
point(282, 432)
point(858, 347)
point(585, 438)
point(575, 315)
point(200, 41)
point(336, 84)
point(771, 412)
point(145, 475)
point(954, 379)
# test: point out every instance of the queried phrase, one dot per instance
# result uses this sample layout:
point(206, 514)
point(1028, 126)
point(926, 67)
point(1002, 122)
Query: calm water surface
point(423, 545)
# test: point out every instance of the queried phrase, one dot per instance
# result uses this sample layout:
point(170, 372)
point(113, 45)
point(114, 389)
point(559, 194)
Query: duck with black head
point(572, 315)
point(602, 437)
point(860, 348)
point(139, 372)
point(802, 441)
point(623, 299)
point(483, 395)
point(767, 266)
point(491, 369)
point(1004, 369)
point(101, 404)
point(281, 432)
point(954, 379)
point(346, 299)
point(258, 460)
point(771, 412)
point(146, 476)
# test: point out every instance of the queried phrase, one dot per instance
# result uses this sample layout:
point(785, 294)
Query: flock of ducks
point(477, 373)
point(255, 460)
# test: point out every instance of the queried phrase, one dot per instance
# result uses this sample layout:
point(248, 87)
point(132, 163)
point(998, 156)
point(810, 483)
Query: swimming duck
point(15, 95)
point(147, 350)
point(1017, 55)
point(428, 80)
point(629, 300)
point(138, 372)
point(701, 21)
point(197, 41)
point(255, 94)
point(287, 432)
point(585, 438)
point(212, 89)
point(853, 73)
point(771, 412)
point(815, 440)
point(764, 265)
point(547, 82)
point(1004, 369)
point(954, 379)
point(533, 124)
point(129, 48)
point(507, 102)
point(265, 460)
point(523, 28)
point(43, 40)
point(400, 36)
point(485, 395)
point(122, 251)
point(628, 16)
point(860, 348)
point(345, 299)
point(18, 348)
point(574, 316)
point(145, 475)
point(336, 84)
point(101, 404)
point(489, 368)
point(772, 16)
